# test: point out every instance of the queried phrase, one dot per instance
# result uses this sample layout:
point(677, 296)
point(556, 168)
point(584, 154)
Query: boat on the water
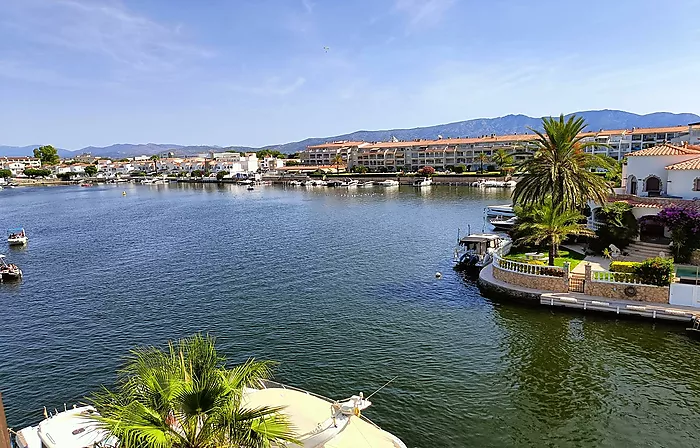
point(503, 222)
point(87, 184)
point(17, 237)
point(476, 250)
point(422, 182)
point(9, 271)
point(389, 183)
point(318, 183)
point(369, 183)
point(496, 211)
point(319, 421)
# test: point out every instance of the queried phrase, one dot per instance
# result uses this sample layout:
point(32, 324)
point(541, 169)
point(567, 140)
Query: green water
point(338, 286)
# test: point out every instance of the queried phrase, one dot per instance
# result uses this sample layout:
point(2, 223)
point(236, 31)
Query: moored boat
point(476, 250)
point(17, 237)
point(389, 183)
point(369, 183)
point(319, 421)
point(422, 182)
point(496, 211)
point(9, 271)
point(503, 223)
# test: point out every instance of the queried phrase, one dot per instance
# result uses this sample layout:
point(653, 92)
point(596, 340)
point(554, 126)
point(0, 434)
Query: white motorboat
point(322, 422)
point(71, 428)
point(369, 183)
point(17, 237)
point(499, 211)
point(318, 183)
point(503, 223)
point(389, 183)
point(295, 183)
point(422, 182)
point(351, 183)
point(9, 271)
point(476, 250)
point(319, 421)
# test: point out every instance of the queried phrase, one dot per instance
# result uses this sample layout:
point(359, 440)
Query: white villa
point(657, 177)
point(17, 165)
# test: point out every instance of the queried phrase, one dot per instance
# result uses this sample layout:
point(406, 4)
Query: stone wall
point(540, 282)
point(645, 293)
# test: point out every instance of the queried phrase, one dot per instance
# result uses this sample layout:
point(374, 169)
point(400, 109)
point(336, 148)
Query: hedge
point(629, 267)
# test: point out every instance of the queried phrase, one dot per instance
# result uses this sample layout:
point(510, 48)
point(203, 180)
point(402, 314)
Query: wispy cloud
point(423, 13)
point(274, 86)
point(104, 28)
point(308, 5)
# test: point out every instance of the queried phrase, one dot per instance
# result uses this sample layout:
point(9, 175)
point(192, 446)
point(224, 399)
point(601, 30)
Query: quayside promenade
point(505, 278)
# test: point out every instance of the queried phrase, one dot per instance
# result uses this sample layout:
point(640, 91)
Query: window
point(652, 185)
point(696, 184)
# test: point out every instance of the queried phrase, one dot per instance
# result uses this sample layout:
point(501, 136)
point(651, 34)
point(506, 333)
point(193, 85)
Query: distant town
point(454, 155)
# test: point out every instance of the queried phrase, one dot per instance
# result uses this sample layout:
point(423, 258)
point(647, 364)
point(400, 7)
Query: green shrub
point(459, 169)
point(655, 271)
point(629, 267)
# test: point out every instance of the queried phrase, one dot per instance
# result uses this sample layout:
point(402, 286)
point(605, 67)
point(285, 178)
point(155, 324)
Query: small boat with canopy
point(17, 237)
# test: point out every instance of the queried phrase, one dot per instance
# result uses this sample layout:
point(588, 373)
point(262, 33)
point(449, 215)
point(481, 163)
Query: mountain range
point(509, 124)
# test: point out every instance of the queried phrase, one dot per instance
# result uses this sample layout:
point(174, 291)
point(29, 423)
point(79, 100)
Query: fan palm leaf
point(561, 167)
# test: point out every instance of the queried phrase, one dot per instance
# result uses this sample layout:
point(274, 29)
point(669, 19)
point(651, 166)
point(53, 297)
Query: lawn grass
point(574, 258)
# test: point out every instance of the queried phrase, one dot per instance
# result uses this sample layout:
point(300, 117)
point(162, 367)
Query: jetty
point(491, 286)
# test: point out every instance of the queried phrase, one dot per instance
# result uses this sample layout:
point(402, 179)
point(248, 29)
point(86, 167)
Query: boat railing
point(269, 384)
point(526, 268)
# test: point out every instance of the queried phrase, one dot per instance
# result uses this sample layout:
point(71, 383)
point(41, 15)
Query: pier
point(586, 303)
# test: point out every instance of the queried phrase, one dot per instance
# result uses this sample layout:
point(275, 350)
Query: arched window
point(632, 185)
point(652, 185)
point(696, 184)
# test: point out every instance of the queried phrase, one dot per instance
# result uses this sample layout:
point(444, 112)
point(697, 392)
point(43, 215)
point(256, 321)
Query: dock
point(620, 307)
point(588, 304)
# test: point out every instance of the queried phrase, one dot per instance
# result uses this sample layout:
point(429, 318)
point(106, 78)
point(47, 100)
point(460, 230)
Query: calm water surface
point(340, 288)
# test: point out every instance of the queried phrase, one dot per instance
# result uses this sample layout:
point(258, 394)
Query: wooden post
point(4, 432)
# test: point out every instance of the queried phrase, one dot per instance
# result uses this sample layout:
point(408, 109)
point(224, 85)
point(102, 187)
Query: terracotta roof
point(636, 201)
point(342, 144)
point(663, 130)
point(692, 164)
point(666, 149)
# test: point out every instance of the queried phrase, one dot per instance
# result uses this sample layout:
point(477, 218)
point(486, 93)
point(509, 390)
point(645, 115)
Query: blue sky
point(254, 72)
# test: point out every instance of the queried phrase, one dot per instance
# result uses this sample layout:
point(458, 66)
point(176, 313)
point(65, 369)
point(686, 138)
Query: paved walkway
point(597, 264)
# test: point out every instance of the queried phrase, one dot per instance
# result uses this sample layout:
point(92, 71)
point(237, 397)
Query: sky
point(75, 73)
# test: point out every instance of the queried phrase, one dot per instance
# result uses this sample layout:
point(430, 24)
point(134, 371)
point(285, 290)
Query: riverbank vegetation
point(186, 397)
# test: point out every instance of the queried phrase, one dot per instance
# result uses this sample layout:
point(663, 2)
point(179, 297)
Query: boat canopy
point(16, 230)
point(480, 238)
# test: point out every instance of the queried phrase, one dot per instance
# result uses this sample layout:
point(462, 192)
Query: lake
point(338, 286)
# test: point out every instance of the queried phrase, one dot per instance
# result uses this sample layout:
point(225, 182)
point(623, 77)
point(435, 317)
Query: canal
point(338, 286)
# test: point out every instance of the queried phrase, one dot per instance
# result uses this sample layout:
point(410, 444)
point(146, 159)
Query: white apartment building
point(323, 154)
point(234, 162)
point(440, 154)
point(624, 141)
point(17, 165)
point(448, 152)
point(271, 163)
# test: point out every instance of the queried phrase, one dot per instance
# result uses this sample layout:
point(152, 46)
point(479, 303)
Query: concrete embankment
point(492, 287)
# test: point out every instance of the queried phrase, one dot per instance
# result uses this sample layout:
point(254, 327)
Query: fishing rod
point(386, 384)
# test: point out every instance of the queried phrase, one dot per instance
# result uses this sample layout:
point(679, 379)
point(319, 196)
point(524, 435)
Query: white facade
point(17, 165)
point(683, 183)
point(641, 169)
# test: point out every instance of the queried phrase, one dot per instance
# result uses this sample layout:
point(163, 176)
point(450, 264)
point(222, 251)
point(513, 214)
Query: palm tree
point(503, 159)
point(561, 168)
point(482, 158)
point(337, 161)
point(185, 397)
point(551, 224)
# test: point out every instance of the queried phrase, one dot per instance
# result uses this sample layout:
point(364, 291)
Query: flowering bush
point(427, 171)
point(655, 271)
point(684, 224)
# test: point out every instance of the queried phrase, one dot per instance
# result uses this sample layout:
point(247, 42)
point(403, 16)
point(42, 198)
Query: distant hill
point(510, 124)
point(596, 119)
